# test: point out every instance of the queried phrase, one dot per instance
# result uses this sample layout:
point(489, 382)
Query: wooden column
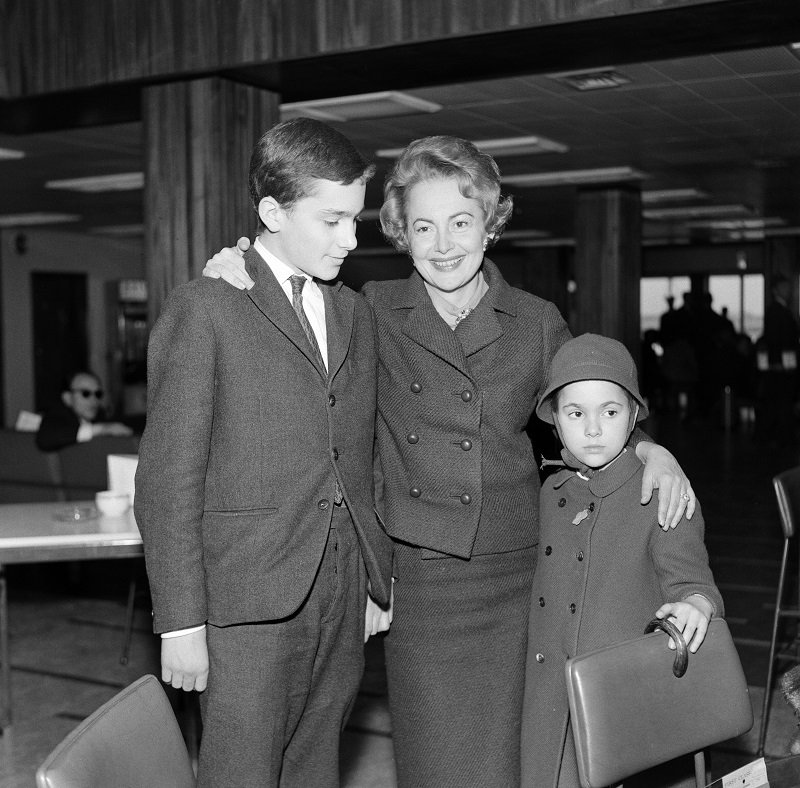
point(608, 265)
point(198, 137)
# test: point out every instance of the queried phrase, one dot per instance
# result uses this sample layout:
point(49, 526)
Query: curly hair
point(443, 156)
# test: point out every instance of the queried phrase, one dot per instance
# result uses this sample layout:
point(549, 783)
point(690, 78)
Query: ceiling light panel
point(385, 104)
point(656, 196)
point(576, 177)
point(596, 79)
point(123, 181)
point(31, 219)
point(503, 146)
point(7, 153)
point(695, 212)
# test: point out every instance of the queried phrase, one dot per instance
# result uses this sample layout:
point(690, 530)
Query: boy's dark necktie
point(298, 283)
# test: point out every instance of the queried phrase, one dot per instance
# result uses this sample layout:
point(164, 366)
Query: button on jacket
point(458, 472)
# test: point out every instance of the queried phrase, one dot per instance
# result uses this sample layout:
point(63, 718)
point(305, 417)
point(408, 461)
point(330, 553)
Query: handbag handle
point(681, 650)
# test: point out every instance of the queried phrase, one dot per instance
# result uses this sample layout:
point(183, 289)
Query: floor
point(65, 641)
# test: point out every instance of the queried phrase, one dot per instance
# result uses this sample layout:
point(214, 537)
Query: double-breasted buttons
point(466, 395)
point(415, 492)
point(335, 453)
point(562, 502)
point(548, 550)
point(591, 506)
point(540, 658)
point(466, 444)
point(416, 387)
point(541, 601)
point(579, 556)
point(466, 499)
point(323, 504)
point(412, 437)
point(331, 400)
point(572, 608)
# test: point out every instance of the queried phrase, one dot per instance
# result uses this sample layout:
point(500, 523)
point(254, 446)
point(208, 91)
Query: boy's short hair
point(292, 155)
point(590, 357)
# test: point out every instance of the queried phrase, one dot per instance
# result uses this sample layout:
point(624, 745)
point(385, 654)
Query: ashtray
point(75, 514)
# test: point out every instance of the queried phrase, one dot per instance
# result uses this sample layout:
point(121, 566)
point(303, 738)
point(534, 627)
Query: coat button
point(579, 556)
point(572, 608)
point(548, 550)
point(591, 506)
point(540, 658)
point(335, 453)
point(466, 396)
point(466, 444)
point(541, 601)
point(416, 387)
point(415, 492)
point(413, 438)
point(331, 400)
point(323, 504)
point(466, 499)
point(562, 502)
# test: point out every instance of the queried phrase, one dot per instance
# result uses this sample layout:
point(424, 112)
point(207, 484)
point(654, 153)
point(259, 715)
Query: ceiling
point(726, 125)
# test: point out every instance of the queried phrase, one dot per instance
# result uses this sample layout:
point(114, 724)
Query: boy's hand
point(229, 265)
point(690, 616)
point(184, 661)
point(662, 471)
point(377, 619)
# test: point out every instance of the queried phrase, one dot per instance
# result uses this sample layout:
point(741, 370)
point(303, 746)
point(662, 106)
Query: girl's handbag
point(638, 704)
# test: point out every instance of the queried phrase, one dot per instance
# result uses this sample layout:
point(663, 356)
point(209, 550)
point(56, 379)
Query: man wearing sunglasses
point(78, 418)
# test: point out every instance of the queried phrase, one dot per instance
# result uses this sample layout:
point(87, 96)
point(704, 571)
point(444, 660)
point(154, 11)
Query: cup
point(112, 503)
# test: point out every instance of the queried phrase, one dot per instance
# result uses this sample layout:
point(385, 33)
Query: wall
point(102, 259)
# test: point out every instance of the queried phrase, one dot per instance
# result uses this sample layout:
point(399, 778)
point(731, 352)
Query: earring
point(486, 243)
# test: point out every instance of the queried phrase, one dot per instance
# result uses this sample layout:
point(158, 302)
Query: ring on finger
point(685, 496)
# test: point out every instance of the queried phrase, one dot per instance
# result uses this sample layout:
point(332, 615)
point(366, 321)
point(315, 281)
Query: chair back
point(787, 491)
point(131, 740)
point(26, 473)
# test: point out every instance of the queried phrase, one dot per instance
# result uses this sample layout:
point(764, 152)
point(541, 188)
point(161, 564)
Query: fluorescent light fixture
point(654, 196)
point(503, 146)
point(695, 212)
point(120, 182)
point(7, 153)
point(595, 79)
point(781, 231)
point(543, 243)
point(517, 235)
point(385, 104)
point(119, 230)
point(573, 177)
point(739, 224)
point(30, 219)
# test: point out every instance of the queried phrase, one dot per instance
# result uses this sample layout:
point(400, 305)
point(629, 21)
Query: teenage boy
point(254, 485)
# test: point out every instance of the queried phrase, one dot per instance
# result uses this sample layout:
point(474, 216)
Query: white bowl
point(112, 503)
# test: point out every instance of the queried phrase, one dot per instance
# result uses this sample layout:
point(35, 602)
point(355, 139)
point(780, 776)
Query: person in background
point(254, 492)
point(462, 358)
point(79, 416)
point(605, 567)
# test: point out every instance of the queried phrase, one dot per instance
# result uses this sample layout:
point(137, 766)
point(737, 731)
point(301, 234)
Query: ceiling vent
point(597, 79)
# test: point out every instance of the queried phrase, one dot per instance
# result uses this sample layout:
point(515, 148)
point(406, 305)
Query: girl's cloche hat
point(590, 357)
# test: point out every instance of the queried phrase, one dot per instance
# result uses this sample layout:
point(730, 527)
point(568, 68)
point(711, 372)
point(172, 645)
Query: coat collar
point(271, 300)
point(605, 482)
point(424, 326)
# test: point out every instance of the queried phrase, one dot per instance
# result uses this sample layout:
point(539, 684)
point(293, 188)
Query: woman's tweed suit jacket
point(458, 471)
point(597, 582)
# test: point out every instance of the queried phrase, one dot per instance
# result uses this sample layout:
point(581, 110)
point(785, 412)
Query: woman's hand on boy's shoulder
point(691, 616)
point(663, 472)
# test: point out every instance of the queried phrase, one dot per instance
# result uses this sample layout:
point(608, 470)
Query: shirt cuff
point(179, 632)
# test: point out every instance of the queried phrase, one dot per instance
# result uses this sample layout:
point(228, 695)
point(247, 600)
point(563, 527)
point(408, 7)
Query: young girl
point(604, 566)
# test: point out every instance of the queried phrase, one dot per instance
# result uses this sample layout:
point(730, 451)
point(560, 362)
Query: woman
point(462, 360)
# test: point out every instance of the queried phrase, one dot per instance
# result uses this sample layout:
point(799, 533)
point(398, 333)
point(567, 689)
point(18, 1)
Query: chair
point(787, 491)
point(133, 740)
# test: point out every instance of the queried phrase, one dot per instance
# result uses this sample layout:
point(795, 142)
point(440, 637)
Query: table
point(37, 532)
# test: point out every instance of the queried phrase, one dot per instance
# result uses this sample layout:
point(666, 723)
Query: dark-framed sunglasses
point(86, 393)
